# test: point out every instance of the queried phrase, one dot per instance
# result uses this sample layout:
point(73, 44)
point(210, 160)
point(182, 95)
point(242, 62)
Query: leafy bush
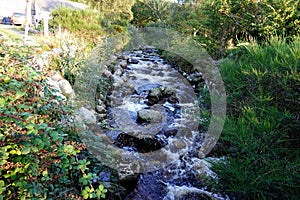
point(219, 24)
point(229, 22)
point(41, 156)
point(69, 56)
point(260, 138)
point(82, 23)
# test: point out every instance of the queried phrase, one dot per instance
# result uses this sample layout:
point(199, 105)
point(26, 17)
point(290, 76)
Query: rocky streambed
point(151, 129)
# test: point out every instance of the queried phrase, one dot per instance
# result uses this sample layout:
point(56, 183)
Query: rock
point(173, 99)
point(53, 85)
point(169, 92)
point(154, 96)
point(132, 61)
point(119, 71)
point(125, 57)
point(151, 116)
point(118, 81)
point(123, 64)
point(149, 50)
point(100, 109)
point(148, 188)
point(177, 145)
point(106, 73)
point(39, 63)
point(84, 115)
point(170, 131)
point(100, 102)
point(113, 134)
point(66, 88)
point(139, 144)
point(146, 88)
point(55, 76)
point(104, 176)
point(101, 117)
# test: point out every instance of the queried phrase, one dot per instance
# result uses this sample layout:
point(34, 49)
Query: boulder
point(118, 81)
point(123, 64)
point(106, 73)
point(154, 96)
point(83, 115)
point(66, 88)
point(100, 109)
point(151, 116)
point(53, 85)
point(55, 76)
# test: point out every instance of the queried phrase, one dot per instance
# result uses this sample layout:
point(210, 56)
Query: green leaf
point(2, 187)
point(30, 127)
point(54, 136)
point(26, 150)
point(2, 102)
point(45, 173)
point(18, 152)
point(19, 94)
point(6, 79)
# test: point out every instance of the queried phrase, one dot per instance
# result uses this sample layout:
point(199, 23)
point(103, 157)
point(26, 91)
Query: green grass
point(260, 138)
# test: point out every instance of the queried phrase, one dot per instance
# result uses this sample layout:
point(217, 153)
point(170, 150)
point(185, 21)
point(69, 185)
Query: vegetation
point(103, 18)
point(257, 42)
point(41, 154)
point(259, 45)
point(260, 138)
point(81, 23)
point(218, 24)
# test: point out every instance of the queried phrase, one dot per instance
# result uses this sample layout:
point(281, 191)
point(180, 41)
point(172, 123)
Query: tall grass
point(261, 134)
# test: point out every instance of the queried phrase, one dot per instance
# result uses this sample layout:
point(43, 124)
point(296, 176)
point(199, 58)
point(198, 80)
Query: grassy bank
point(260, 139)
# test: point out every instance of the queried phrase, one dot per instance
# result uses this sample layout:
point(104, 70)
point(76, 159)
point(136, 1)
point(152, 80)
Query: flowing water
point(154, 107)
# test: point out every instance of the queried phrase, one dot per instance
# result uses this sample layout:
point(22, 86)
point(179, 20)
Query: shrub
point(82, 23)
point(41, 156)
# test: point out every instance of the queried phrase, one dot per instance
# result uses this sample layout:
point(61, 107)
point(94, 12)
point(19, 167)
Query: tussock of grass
point(260, 136)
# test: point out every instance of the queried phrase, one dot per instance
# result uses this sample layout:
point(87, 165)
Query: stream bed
point(152, 119)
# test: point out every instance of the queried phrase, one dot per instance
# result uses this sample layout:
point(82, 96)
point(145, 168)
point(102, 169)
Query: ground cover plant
point(41, 155)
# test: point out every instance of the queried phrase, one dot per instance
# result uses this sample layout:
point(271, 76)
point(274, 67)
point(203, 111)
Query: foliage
point(221, 24)
point(260, 138)
point(82, 23)
point(41, 156)
point(149, 11)
point(230, 22)
point(115, 11)
point(69, 55)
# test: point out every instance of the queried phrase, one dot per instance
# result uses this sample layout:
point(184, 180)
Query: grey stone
point(84, 115)
point(152, 116)
point(154, 96)
point(100, 109)
point(118, 81)
point(119, 71)
point(53, 85)
point(123, 64)
point(107, 73)
point(66, 88)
